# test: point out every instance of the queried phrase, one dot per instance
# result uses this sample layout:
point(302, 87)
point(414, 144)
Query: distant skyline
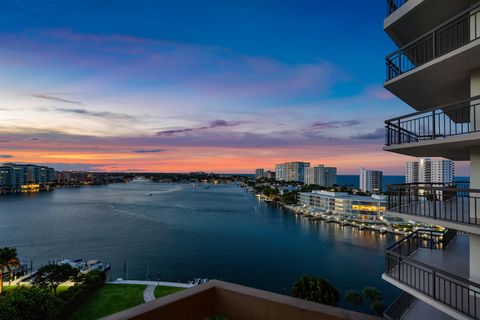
point(180, 86)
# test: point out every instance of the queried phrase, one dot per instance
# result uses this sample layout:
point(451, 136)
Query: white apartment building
point(321, 175)
point(342, 203)
point(371, 180)
point(430, 171)
point(259, 173)
point(291, 171)
point(436, 70)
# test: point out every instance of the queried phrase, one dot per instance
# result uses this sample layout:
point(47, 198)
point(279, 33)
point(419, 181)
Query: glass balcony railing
point(450, 202)
point(449, 36)
point(436, 123)
point(455, 291)
point(393, 5)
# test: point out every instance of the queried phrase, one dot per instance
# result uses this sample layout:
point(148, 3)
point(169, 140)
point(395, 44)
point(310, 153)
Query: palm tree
point(9, 260)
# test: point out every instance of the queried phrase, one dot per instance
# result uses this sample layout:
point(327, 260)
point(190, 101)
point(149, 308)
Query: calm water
point(182, 232)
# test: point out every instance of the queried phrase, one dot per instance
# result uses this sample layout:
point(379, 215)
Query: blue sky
point(203, 85)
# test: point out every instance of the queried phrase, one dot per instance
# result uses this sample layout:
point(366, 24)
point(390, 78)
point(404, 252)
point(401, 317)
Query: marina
point(183, 232)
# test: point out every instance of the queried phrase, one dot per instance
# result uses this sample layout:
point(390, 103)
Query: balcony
point(451, 205)
point(393, 5)
point(407, 19)
point(221, 300)
point(440, 60)
point(407, 307)
point(437, 277)
point(448, 131)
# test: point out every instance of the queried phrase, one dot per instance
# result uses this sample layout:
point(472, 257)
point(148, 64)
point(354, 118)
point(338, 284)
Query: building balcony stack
point(436, 71)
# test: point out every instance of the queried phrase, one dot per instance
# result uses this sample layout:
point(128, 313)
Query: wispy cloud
point(53, 98)
point(211, 125)
point(6, 156)
point(379, 133)
point(149, 150)
point(335, 124)
point(100, 114)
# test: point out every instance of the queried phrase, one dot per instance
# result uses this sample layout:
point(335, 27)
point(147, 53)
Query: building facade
point(342, 203)
point(315, 175)
point(321, 175)
point(371, 180)
point(259, 173)
point(330, 176)
point(428, 170)
point(25, 177)
point(291, 171)
point(436, 70)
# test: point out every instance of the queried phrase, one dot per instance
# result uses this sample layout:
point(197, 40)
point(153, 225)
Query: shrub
point(29, 303)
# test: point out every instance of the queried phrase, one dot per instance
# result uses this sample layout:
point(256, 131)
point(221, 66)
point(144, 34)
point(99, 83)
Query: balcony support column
point(474, 214)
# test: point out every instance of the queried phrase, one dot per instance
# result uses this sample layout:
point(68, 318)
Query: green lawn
point(110, 299)
point(59, 289)
point(161, 291)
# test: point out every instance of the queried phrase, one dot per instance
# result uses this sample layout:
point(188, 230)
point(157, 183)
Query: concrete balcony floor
point(454, 259)
point(420, 310)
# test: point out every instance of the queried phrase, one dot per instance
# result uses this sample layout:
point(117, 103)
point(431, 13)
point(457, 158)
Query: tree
point(354, 297)
point(53, 275)
point(8, 260)
point(378, 307)
point(315, 289)
point(375, 298)
point(372, 294)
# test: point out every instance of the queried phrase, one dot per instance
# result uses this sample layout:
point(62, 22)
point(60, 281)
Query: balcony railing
point(452, 202)
point(436, 123)
point(455, 33)
point(393, 5)
point(398, 308)
point(454, 291)
point(422, 238)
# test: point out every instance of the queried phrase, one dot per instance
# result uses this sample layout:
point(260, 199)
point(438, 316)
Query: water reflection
point(182, 232)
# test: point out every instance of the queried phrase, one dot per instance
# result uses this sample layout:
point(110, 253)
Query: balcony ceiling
point(445, 80)
point(454, 147)
point(417, 17)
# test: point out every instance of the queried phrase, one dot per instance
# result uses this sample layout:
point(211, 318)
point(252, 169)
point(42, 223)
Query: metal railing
point(398, 308)
point(453, 202)
point(393, 5)
point(455, 33)
point(436, 123)
point(456, 292)
point(422, 238)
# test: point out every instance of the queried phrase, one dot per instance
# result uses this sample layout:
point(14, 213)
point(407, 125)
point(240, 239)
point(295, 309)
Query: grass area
point(161, 291)
point(110, 299)
point(59, 289)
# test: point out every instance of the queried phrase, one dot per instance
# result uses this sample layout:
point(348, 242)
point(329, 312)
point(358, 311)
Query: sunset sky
point(224, 86)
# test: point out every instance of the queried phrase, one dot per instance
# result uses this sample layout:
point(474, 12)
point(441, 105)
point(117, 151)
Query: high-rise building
point(371, 180)
point(429, 171)
point(321, 175)
point(330, 176)
point(281, 172)
point(259, 173)
point(436, 70)
point(291, 171)
point(315, 175)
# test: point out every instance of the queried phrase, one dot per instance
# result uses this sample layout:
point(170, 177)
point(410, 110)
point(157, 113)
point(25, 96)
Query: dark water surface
point(183, 231)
